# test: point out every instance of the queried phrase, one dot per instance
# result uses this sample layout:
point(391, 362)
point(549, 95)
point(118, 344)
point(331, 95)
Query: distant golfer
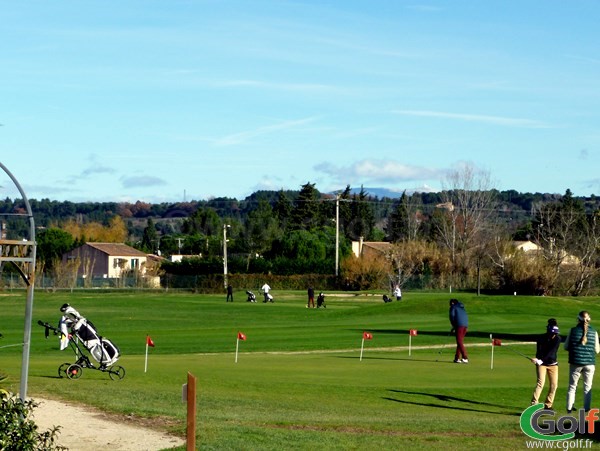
point(582, 344)
point(460, 321)
point(398, 293)
point(265, 289)
point(311, 297)
point(546, 363)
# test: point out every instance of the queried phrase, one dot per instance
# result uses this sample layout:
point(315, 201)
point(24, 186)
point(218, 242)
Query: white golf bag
point(82, 330)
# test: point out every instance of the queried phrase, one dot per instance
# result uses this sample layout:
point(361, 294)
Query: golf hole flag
point(411, 333)
point(149, 343)
point(366, 336)
point(495, 342)
point(240, 336)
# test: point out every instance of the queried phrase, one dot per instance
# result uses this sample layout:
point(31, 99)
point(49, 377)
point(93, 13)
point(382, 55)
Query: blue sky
point(162, 101)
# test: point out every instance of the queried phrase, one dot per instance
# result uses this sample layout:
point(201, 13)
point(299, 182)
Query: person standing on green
point(460, 322)
point(546, 363)
point(582, 344)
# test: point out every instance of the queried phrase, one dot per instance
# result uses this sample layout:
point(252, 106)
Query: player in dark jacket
point(460, 321)
point(546, 363)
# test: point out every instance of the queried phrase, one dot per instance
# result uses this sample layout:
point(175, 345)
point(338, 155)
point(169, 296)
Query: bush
point(18, 431)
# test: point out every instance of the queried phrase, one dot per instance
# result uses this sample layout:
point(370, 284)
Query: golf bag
point(321, 300)
point(83, 331)
point(251, 296)
point(386, 298)
point(268, 298)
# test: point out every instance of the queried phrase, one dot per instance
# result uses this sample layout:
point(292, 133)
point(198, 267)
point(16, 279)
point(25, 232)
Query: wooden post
point(191, 412)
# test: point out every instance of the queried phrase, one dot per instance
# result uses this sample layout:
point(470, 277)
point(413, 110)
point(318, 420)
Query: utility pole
point(225, 254)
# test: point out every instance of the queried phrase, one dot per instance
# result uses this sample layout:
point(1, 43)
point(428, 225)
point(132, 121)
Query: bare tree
point(465, 213)
point(410, 258)
point(571, 241)
point(65, 273)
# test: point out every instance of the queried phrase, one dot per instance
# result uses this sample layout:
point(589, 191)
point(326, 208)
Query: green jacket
point(580, 354)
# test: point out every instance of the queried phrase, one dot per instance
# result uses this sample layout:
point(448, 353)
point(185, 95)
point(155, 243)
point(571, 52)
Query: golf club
point(517, 352)
point(443, 346)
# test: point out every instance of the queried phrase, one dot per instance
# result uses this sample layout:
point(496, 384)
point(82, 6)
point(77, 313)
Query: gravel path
point(85, 428)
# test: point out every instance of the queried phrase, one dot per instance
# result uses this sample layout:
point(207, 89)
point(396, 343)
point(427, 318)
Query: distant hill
point(389, 193)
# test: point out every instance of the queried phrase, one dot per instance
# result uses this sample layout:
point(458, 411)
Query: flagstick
point(237, 345)
point(492, 362)
point(409, 343)
point(146, 363)
point(362, 346)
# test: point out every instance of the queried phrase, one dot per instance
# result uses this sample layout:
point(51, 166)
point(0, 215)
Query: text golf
point(537, 422)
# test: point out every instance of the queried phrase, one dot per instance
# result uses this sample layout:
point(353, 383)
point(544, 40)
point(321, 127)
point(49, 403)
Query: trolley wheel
point(116, 372)
point(74, 371)
point(62, 370)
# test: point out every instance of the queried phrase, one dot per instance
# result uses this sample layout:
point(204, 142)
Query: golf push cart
point(80, 334)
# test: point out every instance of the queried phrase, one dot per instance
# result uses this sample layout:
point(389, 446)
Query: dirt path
point(84, 428)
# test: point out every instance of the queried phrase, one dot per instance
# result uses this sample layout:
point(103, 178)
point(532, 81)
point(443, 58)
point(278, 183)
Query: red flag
point(413, 332)
point(149, 341)
point(241, 336)
point(367, 336)
point(496, 342)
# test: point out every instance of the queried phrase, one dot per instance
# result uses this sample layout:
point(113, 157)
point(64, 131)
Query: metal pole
point(225, 254)
point(29, 277)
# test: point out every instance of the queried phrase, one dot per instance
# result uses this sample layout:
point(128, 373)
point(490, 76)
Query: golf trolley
point(83, 335)
point(251, 296)
point(321, 300)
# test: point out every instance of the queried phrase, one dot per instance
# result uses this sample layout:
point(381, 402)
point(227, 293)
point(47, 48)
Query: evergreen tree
point(397, 221)
point(363, 219)
point(282, 209)
point(305, 215)
point(149, 238)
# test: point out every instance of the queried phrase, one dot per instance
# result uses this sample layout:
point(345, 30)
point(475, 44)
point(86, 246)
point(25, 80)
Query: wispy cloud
point(380, 171)
point(142, 181)
point(494, 120)
point(239, 138)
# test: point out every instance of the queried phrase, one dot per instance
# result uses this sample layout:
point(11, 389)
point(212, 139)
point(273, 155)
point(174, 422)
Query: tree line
point(462, 237)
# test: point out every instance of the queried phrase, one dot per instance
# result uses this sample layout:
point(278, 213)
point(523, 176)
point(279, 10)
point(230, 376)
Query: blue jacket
point(458, 315)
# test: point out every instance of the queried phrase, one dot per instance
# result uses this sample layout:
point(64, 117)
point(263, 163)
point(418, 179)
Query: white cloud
point(381, 171)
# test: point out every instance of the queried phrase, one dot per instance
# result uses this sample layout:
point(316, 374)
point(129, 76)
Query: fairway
point(299, 382)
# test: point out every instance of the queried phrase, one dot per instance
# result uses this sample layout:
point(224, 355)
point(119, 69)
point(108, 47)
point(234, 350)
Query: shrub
point(18, 431)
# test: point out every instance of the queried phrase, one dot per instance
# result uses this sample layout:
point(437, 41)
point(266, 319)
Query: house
point(531, 249)
point(106, 260)
point(371, 248)
point(526, 246)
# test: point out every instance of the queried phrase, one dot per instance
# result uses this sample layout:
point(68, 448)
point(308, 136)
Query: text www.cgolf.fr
point(563, 444)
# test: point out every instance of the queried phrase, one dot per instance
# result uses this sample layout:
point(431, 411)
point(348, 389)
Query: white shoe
point(465, 360)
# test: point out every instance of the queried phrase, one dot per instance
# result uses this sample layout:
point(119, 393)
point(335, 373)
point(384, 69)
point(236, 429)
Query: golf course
point(304, 378)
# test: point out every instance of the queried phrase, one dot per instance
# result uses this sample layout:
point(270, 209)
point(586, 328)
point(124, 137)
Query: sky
point(172, 100)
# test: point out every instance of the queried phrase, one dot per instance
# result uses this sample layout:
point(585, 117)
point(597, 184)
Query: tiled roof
point(117, 249)
point(381, 246)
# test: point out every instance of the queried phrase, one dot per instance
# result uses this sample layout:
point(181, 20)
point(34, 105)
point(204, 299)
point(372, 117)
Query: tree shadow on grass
point(471, 405)
point(408, 359)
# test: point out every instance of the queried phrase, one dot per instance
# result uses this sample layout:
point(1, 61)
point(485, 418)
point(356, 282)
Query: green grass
point(299, 382)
